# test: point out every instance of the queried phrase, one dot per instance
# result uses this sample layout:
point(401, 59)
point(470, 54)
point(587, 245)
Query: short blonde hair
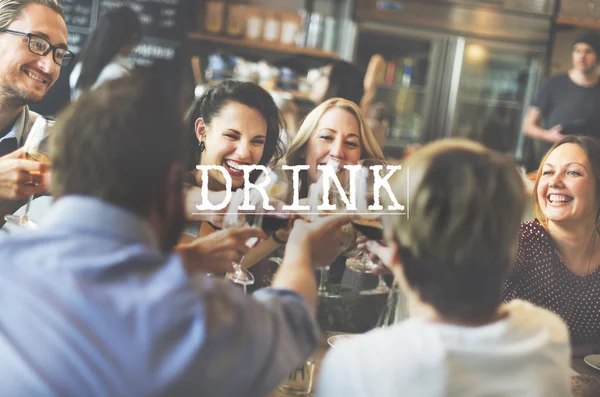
point(466, 204)
point(369, 146)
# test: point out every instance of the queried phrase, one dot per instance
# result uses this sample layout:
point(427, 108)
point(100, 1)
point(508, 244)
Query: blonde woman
point(337, 130)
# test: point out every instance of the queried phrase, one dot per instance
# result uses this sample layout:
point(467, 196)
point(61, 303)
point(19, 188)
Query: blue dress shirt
point(89, 306)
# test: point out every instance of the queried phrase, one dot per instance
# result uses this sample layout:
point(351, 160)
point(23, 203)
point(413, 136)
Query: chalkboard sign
point(160, 49)
point(162, 28)
point(78, 13)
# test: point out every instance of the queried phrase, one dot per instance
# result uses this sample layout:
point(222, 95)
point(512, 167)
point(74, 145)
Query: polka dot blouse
point(540, 276)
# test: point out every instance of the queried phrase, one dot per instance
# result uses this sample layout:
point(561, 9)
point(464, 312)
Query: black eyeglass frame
point(51, 47)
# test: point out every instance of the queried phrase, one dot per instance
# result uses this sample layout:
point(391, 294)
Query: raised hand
point(385, 256)
point(321, 241)
point(216, 252)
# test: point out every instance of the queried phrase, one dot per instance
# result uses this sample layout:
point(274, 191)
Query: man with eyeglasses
point(33, 48)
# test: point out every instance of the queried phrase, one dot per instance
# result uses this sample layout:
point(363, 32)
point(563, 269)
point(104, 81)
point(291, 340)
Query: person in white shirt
point(451, 257)
point(105, 53)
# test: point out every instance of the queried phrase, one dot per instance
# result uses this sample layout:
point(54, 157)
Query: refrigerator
point(455, 68)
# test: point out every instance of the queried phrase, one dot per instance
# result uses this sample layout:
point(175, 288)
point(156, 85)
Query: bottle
point(236, 18)
point(314, 36)
point(271, 26)
point(214, 19)
point(300, 39)
point(407, 72)
point(329, 34)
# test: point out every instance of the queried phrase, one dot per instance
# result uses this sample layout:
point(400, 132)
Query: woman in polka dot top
point(558, 253)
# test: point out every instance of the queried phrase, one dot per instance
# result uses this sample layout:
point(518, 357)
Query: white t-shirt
point(524, 355)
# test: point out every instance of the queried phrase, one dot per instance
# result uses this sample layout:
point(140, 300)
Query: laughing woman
point(233, 124)
point(333, 130)
point(558, 253)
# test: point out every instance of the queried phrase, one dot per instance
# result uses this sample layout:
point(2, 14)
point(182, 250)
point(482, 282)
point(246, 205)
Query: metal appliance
point(456, 68)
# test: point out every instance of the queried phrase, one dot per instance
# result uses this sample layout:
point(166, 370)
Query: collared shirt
point(91, 307)
point(12, 133)
point(20, 130)
point(22, 126)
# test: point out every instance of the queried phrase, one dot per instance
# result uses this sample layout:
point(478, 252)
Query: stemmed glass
point(234, 218)
point(316, 197)
point(396, 308)
point(279, 190)
point(368, 225)
point(36, 149)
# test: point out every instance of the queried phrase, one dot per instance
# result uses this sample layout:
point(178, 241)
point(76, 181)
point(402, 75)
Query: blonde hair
point(466, 204)
point(369, 146)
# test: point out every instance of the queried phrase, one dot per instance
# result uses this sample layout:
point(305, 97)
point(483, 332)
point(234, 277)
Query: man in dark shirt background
point(568, 103)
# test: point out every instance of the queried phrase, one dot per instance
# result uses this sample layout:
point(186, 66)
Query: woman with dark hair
point(558, 254)
point(235, 123)
point(338, 80)
point(231, 124)
point(104, 56)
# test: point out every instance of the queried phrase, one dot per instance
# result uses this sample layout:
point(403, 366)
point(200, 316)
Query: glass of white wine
point(35, 149)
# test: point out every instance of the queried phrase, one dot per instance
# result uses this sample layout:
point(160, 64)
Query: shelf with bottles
point(307, 30)
point(263, 45)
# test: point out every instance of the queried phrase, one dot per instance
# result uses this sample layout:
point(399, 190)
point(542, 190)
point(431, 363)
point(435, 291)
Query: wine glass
point(316, 193)
point(280, 192)
point(368, 224)
point(396, 308)
point(36, 149)
point(234, 218)
point(279, 189)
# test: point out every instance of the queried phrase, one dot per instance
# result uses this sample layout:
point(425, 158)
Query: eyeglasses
point(40, 46)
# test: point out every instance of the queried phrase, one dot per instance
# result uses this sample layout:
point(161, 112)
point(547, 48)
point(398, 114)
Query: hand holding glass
point(279, 188)
point(35, 149)
point(234, 218)
point(368, 225)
